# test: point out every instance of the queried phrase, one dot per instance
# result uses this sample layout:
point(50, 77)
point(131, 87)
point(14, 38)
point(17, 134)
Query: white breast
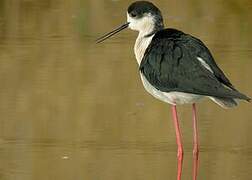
point(140, 46)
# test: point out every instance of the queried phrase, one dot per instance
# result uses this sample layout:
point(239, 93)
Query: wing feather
point(170, 64)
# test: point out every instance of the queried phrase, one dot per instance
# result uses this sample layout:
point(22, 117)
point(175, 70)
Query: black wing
point(170, 64)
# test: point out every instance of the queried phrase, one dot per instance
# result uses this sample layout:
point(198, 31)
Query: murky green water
point(74, 110)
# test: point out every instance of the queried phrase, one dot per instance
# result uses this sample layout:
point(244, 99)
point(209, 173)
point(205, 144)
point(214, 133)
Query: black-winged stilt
point(176, 68)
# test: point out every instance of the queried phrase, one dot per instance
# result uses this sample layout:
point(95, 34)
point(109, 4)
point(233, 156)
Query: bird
point(176, 68)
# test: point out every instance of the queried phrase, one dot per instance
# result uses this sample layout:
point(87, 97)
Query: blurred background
point(72, 109)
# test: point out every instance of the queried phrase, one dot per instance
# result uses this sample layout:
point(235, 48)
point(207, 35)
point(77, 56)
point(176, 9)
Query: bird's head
point(142, 16)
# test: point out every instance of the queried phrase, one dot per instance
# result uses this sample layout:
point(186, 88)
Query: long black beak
point(117, 30)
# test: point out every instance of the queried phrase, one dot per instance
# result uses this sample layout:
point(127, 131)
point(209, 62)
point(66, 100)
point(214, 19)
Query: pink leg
point(195, 144)
point(179, 142)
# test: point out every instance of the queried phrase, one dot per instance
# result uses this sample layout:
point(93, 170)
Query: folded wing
point(175, 61)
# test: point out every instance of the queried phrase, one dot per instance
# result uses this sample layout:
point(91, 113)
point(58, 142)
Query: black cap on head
point(139, 8)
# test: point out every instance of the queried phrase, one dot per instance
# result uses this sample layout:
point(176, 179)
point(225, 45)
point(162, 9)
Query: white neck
point(145, 27)
point(141, 44)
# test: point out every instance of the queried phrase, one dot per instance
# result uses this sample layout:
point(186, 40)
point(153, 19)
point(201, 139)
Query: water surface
point(71, 109)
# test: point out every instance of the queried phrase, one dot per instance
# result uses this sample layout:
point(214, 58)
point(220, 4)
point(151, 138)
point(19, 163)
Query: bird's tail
point(224, 102)
point(233, 94)
point(241, 96)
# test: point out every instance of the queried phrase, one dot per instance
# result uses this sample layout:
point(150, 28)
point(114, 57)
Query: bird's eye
point(133, 14)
